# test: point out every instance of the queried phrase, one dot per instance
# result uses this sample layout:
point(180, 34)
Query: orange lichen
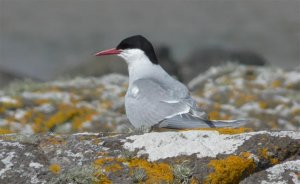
point(101, 161)
point(103, 179)
point(230, 170)
point(41, 101)
point(246, 154)
point(194, 181)
point(106, 104)
point(226, 130)
point(113, 167)
point(10, 105)
point(265, 154)
point(263, 105)
point(156, 172)
point(55, 168)
point(214, 115)
point(70, 113)
point(38, 123)
point(48, 89)
point(63, 115)
point(109, 164)
point(5, 131)
point(276, 84)
point(242, 98)
point(36, 118)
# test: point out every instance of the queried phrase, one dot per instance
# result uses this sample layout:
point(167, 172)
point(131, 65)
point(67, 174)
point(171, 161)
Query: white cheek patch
point(134, 91)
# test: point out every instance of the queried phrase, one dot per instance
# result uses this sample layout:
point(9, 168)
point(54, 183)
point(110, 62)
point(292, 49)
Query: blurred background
point(52, 42)
point(43, 40)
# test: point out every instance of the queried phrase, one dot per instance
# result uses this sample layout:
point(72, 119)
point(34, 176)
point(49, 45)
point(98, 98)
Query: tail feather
point(180, 122)
point(228, 123)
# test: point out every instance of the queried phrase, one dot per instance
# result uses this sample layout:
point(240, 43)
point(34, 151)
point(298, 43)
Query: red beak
point(108, 52)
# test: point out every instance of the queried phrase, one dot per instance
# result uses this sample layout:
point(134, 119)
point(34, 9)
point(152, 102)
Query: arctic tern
point(154, 98)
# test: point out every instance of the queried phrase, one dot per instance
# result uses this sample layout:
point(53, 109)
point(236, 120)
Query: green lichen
point(139, 175)
point(182, 173)
point(78, 175)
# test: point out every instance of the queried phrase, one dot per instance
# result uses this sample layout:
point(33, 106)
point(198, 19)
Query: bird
point(154, 99)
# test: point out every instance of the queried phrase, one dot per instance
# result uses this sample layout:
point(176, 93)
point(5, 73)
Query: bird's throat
point(140, 71)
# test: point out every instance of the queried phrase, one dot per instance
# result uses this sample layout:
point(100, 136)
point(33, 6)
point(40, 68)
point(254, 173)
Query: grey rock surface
point(106, 158)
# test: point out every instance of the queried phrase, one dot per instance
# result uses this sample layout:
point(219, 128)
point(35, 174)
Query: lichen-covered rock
point(268, 97)
point(192, 156)
point(77, 105)
point(286, 172)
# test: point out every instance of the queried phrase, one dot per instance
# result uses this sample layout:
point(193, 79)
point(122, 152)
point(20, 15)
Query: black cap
point(139, 42)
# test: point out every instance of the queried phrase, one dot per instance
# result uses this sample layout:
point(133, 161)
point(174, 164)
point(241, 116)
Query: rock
point(192, 156)
point(81, 104)
point(286, 172)
point(6, 77)
point(268, 97)
point(265, 95)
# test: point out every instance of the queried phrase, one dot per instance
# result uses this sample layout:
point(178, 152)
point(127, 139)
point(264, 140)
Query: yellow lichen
point(101, 161)
point(4, 131)
point(67, 113)
point(263, 105)
point(230, 170)
point(226, 130)
point(41, 101)
point(276, 83)
point(103, 179)
point(296, 112)
point(113, 167)
point(10, 105)
point(106, 104)
point(156, 172)
point(109, 164)
point(274, 161)
point(265, 154)
point(241, 98)
point(246, 154)
point(214, 115)
point(55, 168)
point(194, 181)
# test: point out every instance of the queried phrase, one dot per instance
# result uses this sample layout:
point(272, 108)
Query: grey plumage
point(150, 103)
